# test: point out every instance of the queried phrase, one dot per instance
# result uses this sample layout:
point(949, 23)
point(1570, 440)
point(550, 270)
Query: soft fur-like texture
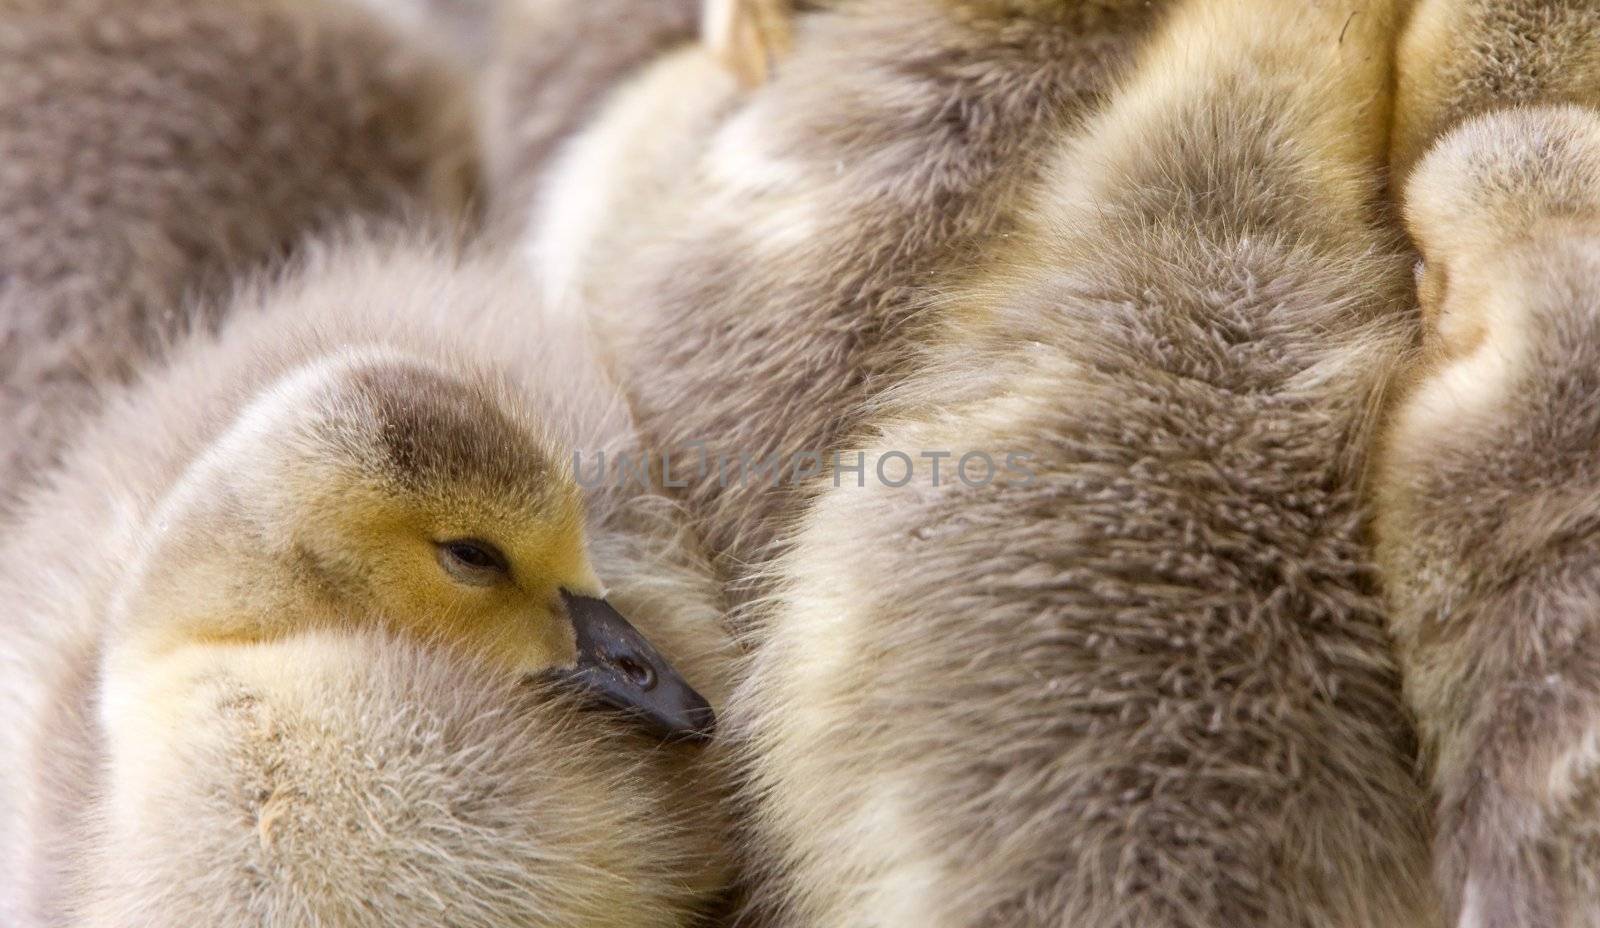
point(1143, 682)
point(460, 30)
point(764, 283)
point(1459, 58)
point(379, 785)
point(556, 63)
point(150, 149)
point(1488, 490)
point(246, 773)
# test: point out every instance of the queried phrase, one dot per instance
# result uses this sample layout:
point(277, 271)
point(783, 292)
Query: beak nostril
point(641, 674)
point(621, 669)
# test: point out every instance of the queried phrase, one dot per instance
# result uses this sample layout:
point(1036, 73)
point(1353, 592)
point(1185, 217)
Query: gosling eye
point(472, 561)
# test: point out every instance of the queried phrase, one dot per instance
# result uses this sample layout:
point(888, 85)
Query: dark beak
point(618, 667)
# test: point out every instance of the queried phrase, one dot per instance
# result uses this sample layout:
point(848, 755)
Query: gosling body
point(220, 514)
point(778, 235)
point(1132, 671)
point(1486, 521)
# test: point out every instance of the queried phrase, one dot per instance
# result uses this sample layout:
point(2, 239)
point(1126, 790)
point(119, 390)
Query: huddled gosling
point(1488, 490)
point(1141, 679)
point(368, 447)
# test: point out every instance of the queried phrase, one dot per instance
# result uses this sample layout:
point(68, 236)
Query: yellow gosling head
point(377, 488)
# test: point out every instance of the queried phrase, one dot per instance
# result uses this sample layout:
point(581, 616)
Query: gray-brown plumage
point(150, 150)
point(459, 30)
point(555, 64)
point(1465, 57)
point(1488, 490)
point(1131, 672)
point(776, 238)
point(243, 684)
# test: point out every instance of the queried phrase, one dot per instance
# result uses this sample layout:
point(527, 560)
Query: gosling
point(1122, 663)
point(1487, 524)
point(363, 449)
point(783, 238)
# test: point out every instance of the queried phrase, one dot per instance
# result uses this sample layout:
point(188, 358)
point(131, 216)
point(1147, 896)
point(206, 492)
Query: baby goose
point(1124, 665)
point(385, 484)
point(363, 447)
point(779, 236)
point(1488, 528)
point(1487, 525)
point(154, 148)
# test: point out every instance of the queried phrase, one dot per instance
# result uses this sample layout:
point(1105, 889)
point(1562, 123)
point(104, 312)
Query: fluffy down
point(1488, 498)
point(1144, 683)
point(153, 149)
